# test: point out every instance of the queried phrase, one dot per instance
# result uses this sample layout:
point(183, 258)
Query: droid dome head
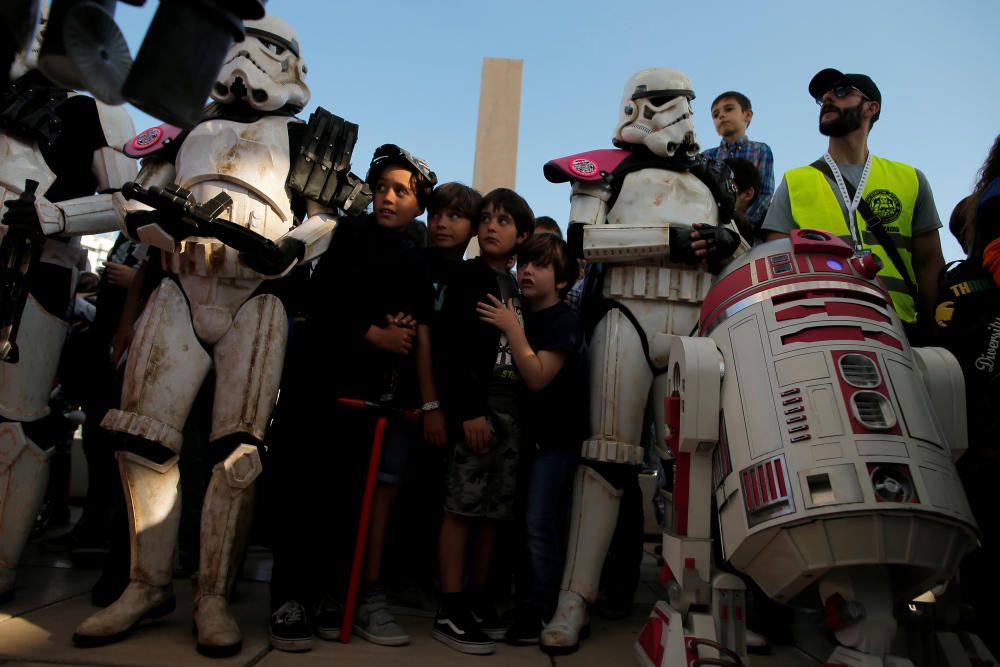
point(655, 111)
point(266, 70)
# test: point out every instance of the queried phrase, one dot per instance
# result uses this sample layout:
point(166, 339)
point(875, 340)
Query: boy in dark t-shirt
point(548, 356)
point(481, 402)
point(451, 210)
point(369, 298)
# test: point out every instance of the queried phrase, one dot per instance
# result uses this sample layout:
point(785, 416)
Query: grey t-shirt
point(925, 216)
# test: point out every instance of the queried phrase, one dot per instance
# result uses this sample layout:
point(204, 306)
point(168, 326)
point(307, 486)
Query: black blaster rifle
point(20, 252)
point(183, 216)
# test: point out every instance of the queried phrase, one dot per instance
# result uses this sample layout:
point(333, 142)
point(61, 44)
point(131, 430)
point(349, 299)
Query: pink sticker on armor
point(148, 142)
point(583, 167)
point(147, 139)
point(590, 166)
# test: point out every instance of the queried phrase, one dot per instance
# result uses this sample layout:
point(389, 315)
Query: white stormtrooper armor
point(654, 204)
point(27, 152)
point(204, 316)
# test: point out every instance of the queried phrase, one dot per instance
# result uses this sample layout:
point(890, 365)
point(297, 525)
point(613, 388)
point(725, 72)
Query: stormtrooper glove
point(720, 243)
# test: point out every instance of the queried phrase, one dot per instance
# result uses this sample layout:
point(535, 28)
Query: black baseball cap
point(829, 77)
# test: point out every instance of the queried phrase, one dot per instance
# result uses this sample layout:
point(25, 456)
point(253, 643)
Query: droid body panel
point(805, 412)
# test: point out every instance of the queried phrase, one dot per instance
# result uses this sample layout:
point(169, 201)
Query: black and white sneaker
point(489, 621)
point(525, 626)
point(461, 632)
point(290, 628)
point(329, 618)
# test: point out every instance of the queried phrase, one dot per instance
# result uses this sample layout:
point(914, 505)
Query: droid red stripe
point(770, 479)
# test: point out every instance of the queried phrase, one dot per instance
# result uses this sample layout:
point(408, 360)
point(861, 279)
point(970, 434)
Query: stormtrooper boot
point(24, 475)
point(592, 525)
point(224, 523)
point(152, 497)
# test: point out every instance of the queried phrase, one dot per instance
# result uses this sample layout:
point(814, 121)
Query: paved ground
point(53, 597)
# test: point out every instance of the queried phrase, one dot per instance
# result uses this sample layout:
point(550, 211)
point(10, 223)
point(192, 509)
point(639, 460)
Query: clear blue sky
point(408, 72)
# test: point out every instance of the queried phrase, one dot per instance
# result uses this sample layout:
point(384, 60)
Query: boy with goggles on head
point(369, 307)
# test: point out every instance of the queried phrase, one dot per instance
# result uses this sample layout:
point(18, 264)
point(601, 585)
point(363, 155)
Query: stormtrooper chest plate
point(250, 158)
point(662, 198)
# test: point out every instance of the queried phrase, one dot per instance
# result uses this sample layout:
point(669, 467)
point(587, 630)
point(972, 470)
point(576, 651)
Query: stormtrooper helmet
point(265, 70)
point(656, 112)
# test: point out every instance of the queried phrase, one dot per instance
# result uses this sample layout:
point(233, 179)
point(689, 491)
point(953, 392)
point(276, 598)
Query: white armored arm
point(315, 231)
point(155, 171)
point(111, 168)
point(589, 203)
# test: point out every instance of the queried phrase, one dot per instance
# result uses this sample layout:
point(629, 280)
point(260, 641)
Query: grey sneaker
point(373, 621)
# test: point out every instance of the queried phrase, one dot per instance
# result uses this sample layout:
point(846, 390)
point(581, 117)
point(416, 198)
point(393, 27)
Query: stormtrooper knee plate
point(224, 524)
point(24, 475)
point(152, 498)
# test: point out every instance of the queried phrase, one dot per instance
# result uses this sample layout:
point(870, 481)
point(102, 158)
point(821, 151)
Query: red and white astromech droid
point(827, 443)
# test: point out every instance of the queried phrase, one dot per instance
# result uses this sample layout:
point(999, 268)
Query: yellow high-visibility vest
point(891, 192)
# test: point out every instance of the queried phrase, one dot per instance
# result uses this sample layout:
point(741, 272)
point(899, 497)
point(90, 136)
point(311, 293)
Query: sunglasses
point(841, 91)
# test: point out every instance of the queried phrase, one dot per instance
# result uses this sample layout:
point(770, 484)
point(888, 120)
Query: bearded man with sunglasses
point(876, 205)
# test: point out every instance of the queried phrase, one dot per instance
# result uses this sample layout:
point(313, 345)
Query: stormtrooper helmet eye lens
point(276, 49)
point(661, 100)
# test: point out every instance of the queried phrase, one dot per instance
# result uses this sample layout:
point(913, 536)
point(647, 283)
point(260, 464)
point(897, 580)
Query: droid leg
point(704, 616)
point(24, 476)
point(858, 609)
point(166, 367)
point(248, 362)
point(620, 381)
